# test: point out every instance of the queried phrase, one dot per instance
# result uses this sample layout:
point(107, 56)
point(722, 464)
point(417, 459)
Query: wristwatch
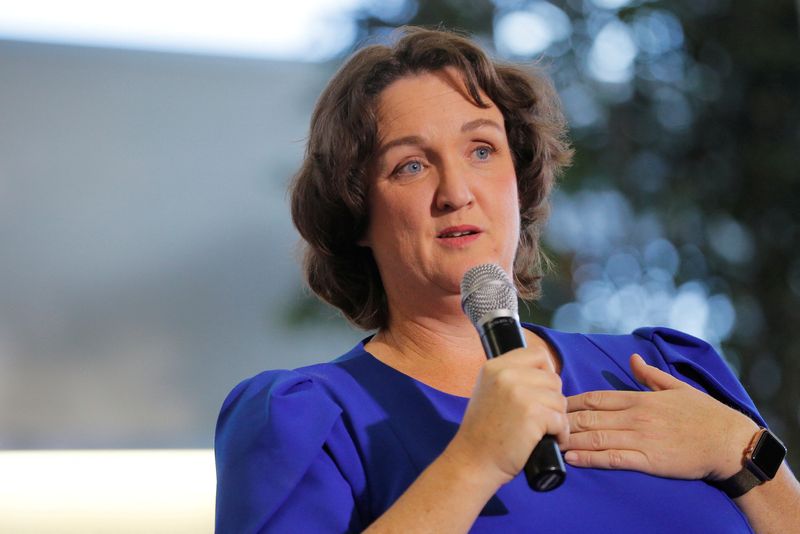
point(761, 461)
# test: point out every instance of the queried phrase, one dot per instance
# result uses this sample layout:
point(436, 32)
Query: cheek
point(510, 196)
point(395, 214)
point(510, 210)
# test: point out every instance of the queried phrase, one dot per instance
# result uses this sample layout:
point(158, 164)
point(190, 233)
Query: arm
point(676, 431)
point(273, 441)
point(773, 507)
point(516, 401)
point(446, 497)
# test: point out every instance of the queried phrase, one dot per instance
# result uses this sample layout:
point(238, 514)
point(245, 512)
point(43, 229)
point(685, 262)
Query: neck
point(443, 351)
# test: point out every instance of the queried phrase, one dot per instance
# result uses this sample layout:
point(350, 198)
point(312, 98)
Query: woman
point(424, 160)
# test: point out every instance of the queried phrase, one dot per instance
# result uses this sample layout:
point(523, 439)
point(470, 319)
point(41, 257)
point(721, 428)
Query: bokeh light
point(525, 33)
point(623, 280)
point(657, 32)
point(612, 54)
point(611, 4)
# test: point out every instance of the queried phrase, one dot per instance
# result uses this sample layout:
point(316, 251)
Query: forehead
point(428, 99)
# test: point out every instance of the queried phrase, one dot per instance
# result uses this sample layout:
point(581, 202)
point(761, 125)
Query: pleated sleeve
point(282, 453)
point(696, 362)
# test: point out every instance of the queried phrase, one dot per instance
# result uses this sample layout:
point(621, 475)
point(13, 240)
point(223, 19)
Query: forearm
point(773, 507)
point(517, 399)
point(446, 498)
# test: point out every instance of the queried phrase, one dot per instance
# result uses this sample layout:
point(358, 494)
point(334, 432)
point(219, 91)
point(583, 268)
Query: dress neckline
point(541, 331)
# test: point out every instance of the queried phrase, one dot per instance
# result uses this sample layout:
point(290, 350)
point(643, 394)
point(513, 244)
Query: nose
point(453, 191)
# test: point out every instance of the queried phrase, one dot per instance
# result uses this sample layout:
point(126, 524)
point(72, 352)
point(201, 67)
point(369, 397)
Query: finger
point(543, 399)
point(555, 418)
point(544, 420)
point(653, 377)
point(562, 436)
point(558, 426)
point(603, 440)
point(512, 376)
point(536, 378)
point(603, 400)
point(584, 420)
point(529, 357)
point(611, 459)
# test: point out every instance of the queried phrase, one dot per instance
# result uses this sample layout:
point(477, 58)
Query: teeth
point(457, 234)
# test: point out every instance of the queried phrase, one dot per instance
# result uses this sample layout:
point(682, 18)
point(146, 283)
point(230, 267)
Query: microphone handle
point(544, 469)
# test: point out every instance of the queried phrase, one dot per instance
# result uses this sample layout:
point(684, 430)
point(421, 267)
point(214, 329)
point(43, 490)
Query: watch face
point(768, 454)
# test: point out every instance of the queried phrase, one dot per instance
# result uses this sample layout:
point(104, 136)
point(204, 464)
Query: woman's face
point(443, 195)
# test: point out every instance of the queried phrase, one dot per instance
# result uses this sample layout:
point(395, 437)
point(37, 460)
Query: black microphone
point(489, 299)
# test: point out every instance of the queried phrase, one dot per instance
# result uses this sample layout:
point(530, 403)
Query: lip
point(461, 241)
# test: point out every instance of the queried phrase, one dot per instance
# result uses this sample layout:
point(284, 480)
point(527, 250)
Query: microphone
point(489, 299)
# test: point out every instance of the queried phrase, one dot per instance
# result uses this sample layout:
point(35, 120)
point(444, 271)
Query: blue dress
point(330, 447)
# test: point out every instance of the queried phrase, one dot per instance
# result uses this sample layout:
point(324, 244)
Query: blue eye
point(412, 167)
point(483, 152)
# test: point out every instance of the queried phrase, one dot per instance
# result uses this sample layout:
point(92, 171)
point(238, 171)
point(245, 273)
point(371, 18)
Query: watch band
point(738, 484)
point(761, 461)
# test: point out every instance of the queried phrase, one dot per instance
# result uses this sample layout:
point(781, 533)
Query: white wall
point(146, 252)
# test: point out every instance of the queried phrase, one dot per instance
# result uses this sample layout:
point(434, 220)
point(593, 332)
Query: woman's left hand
point(672, 431)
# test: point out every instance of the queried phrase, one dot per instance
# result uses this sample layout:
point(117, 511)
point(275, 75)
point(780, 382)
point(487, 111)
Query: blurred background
point(148, 258)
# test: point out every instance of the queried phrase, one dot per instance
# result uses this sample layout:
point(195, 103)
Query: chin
point(508, 266)
point(452, 278)
point(450, 274)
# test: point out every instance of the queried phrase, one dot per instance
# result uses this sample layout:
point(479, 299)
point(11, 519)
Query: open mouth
point(459, 231)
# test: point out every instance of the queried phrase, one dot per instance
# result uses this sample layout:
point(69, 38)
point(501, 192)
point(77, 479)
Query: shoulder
point(662, 347)
point(284, 453)
point(682, 355)
point(286, 409)
point(277, 385)
point(669, 350)
point(281, 448)
point(310, 395)
point(310, 386)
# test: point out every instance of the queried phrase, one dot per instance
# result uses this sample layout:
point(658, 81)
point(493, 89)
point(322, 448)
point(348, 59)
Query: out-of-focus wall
point(147, 251)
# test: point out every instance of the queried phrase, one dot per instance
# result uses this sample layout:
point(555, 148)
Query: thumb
point(653, 377)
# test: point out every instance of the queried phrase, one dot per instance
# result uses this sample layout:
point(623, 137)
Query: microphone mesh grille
point(485, 288)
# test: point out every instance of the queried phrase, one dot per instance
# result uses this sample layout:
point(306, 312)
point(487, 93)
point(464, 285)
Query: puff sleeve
point(696, 362)
point(281, 453)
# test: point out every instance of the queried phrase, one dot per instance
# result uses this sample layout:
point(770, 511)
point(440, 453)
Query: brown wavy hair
point(329, 192)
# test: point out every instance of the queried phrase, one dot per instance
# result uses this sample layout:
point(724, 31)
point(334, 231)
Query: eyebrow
point(478, 123)
point(416, 140)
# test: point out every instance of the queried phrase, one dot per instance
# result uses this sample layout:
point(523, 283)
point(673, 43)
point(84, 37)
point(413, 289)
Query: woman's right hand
point(516, 401)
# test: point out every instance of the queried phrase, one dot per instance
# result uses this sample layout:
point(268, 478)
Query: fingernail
point(571, 456)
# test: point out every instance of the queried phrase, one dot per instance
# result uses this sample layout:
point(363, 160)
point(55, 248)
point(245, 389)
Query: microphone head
point(488, 292)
